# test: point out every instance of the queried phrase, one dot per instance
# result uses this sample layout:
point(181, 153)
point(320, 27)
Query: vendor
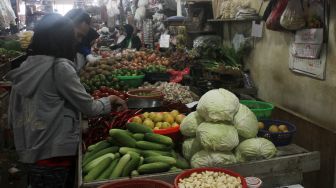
point(127, 39)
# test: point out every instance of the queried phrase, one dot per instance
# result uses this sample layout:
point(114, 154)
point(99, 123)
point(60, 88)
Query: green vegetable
point(147, 153)
point(99, 169)
point(138, 136)
point(151, 146)
point(138, 128)
point(190, 123)
point(132, 165)
point(246, 122)
point(218, 105)
point(133, 154)
point(141, 161)
point(125, 150)
point(120, 166)
point(106, 174)
point(123, 138)
point(165, 159)
point(101, 153)
point(96, 148)
point(174, 169)
point(161, 139)
point(217, 136)
point(205, 158)
point(134, 173)
point(151, 168)
point(190, 146)
point(182, 163)
point(255, 149)
point(91, 165)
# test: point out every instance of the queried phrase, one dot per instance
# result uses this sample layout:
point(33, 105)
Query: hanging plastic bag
point(293, 16)
point(315, 14)
point(273, 21)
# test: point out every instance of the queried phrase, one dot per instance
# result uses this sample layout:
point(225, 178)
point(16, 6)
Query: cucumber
point(132, 165)
point(106, 174)
point(165, 159)
point(125, 150)
point(123, 138)
point(182, 163)
point(91, 147)
point(96, 148)
point(120, 130)
point(138, 128)
point(151, 168)
point(134, 173)
point(141, 161)
point(99, 169)
point(173, 154)
point(174, 169)
point(133, 154)
point(157, 138)
point(120, 166)
point(149, 152)
point(138, 136)
point(91, 165)
point(100, 153)
point(151, 146)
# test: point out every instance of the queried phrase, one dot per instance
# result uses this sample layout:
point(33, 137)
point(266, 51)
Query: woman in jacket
point(45, 104)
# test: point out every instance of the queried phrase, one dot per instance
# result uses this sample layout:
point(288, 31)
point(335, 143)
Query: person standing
point(46, 103)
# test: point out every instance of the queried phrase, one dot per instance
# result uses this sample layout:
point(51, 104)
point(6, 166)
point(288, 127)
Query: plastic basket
point(132, 81)
point(187, 173)
point(157, 77)
point(144, 183)
point(152, 94)
point(263, 110)
point(279, 138)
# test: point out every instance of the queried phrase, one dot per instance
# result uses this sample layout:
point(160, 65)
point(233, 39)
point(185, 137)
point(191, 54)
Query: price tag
point(257, 29)
point(164, 41)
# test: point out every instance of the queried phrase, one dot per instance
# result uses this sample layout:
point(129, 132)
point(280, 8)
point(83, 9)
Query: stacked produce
point(98, 81)
point(159, 120)
point(7, 55)
point(128, 153)
point(25, 38)
point(173, 92)
point(222, 131)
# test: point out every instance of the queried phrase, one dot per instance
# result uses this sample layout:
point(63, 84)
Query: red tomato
point(97, 92)
point(103, 89)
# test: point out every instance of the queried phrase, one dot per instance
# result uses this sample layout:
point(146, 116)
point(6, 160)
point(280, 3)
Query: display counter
point(286, 168)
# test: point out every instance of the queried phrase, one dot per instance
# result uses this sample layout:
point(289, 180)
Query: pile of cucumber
point(129, 153)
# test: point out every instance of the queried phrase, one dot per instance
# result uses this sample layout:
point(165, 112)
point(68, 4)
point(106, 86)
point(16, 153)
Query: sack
point(293, 16)
point(273, 21)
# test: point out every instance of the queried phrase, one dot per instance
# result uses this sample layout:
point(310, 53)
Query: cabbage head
point(217, 136)
point(190, 146)
point(255, 149)
point(218, 105)
point(190, 123)
point(205, 158)
point(246, 122)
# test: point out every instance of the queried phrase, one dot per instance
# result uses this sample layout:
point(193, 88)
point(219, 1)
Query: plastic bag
point(7, 15)
point(273, 21)
point(293, 16)
point(315, 15)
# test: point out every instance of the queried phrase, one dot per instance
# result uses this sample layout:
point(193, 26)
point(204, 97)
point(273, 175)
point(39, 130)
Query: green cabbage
point(218, 105)
point(246, 122)
point(205, 158)
point(190, 123)
point(217, 136)
point(190, 147)
point(255, 149)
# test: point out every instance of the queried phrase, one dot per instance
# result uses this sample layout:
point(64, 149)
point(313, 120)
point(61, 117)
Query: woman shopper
point(45, 104)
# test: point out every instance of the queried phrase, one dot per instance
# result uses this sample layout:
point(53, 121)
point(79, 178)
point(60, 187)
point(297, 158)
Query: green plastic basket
point(132, 81)
point(263, 110)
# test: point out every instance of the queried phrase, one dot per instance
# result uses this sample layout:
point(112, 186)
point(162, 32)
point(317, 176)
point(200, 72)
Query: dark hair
point(54, 36)
point(78, 16)
point(129, 30)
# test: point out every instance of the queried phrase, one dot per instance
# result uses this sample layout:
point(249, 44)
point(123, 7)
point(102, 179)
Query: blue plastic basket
point(279, 138)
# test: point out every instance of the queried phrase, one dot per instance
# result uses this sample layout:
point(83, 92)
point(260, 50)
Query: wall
point(312, 99)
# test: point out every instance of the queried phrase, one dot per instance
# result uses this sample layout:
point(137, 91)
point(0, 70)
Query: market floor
point(8, 160)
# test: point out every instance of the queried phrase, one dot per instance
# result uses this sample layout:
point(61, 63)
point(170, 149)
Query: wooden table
point(286, 168)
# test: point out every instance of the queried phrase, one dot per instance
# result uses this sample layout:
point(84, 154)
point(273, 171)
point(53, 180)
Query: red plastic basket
point(144, 183)
point(187, 173)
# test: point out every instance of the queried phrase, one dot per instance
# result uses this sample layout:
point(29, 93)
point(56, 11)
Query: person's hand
point(92, 59)
point(118, 103)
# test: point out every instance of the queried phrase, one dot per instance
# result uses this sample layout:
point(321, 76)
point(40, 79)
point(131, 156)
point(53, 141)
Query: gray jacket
point(44, 110)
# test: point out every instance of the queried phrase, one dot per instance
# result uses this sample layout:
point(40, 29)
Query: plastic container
point(263, 110)
point(132, 81)
point(144, 183)
point(278, 138)
point(253, 182)
point(187, 173)
point(151, 94)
